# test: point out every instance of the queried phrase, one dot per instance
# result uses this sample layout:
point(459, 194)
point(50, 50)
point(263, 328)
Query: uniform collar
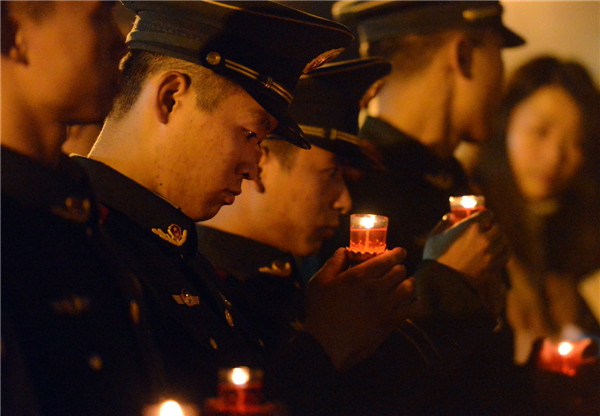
point(162, 220)
point(406, 154)
point(63, 191)
point(243, 257)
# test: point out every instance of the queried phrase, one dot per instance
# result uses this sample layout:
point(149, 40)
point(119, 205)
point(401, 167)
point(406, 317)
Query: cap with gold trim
point(261, 45)
point(376, 20)
point(326, 105)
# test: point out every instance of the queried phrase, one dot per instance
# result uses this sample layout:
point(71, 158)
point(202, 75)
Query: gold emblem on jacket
point(174, 235)
point(277, 268)
point(186, 298)
point(74, 209)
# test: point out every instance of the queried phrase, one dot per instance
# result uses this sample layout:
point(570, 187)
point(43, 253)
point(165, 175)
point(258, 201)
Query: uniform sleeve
point(454, 318)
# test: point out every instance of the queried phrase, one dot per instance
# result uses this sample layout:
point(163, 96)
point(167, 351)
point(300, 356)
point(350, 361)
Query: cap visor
point(511, 39)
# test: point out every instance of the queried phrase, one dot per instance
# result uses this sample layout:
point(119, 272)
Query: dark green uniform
point(195, 326)
point(69, 343)
point(261, 280)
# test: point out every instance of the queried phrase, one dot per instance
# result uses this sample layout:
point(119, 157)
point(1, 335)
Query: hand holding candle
point(567, 356)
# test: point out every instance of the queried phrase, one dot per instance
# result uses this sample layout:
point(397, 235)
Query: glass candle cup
point(368, 233)
point(466, 205)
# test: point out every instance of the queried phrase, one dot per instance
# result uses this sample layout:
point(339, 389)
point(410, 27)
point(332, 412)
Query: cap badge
point(476, 14)
point(174, 235)
point(321, 59)
point(277, 268)
point(213, 58)
point(75, 209)
point(186, 298)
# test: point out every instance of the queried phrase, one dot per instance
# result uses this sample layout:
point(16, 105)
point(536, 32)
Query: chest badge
point(277, 268)
point(74, 209)
point(186, 298)
point(174, 235)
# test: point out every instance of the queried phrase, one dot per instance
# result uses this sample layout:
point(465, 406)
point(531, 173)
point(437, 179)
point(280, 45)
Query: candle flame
point(367, 222)
point(565, 348)
point(240, 376)
point(170, 408)
point(468, 201)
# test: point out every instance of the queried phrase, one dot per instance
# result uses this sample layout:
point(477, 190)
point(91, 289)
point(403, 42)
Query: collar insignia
point(75, 209)
point(321, 59)
point(186, 298)
point(174, 235)
point(277, 268)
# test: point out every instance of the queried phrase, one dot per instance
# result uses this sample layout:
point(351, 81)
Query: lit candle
point(566, 356)
point(368, 233)
point(463, 206)
point(240, 392)
point(171, 408)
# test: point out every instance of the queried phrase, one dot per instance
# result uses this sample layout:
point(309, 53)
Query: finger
point(379, 265)
point(335, 264)
point(401, 299)
point(392, 279)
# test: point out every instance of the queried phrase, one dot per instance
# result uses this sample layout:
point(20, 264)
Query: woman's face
point(544, 138)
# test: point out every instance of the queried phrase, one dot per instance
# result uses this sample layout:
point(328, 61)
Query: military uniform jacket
point(413, 192)
point(69, 343)
point(262, 281)
point(196, 328)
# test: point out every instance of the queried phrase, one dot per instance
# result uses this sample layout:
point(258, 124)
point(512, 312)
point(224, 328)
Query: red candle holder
point(566, 357)
point(368, 234)
point(240, 393)
point(466, 205)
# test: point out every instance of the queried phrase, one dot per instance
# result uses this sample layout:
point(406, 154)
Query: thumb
point(335, 264)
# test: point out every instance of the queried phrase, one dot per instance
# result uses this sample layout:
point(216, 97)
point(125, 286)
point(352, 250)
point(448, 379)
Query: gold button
point(228, 317)
point(213, 344)
point(134, 312)
point(213, 58)
point(95, 362)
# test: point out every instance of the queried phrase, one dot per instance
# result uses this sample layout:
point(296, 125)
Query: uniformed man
point(204, 84)
point(295, 201)
point(294, 204)
point(444, 88)
point(69, 322)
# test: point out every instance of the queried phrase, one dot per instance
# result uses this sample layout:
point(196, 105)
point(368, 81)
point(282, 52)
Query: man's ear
point(462, 52)
point(265, 157)
point(172, 86)
point(14, 43)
